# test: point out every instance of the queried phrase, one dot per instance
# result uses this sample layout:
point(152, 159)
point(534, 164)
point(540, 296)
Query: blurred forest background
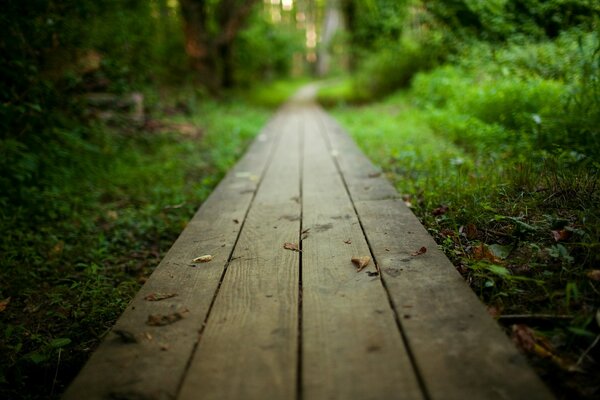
point(118, 117)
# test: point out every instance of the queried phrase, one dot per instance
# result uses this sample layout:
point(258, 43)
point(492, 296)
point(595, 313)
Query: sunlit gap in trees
point(303, 13)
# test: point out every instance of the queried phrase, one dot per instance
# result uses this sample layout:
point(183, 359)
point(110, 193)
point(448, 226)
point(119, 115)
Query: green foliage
point(265, 50)
point(76, 250)
point(272, 95)
point(393, 67)
point(498, 20)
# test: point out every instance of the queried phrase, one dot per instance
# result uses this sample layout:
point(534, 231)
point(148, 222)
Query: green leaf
point(37, 357)
point(59, 342)
point(498, 270)
point(500, 251)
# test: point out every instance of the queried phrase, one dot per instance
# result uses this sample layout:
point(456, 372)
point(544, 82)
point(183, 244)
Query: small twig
point(55, 373)
point(585, 353)
point(543, 317)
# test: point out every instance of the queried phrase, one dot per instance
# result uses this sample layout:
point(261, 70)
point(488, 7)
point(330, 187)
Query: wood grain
point(153, 367)
point(351, 345)
point(460, 351)
point(249, 347)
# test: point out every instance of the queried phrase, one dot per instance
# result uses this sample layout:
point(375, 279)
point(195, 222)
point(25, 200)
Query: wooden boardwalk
point(262, 322)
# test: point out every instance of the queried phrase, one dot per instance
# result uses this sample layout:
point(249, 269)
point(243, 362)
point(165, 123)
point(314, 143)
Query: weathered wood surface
point(264, 322)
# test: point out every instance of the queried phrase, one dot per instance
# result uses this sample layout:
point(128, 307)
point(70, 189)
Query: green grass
point(272, 95)
point(71, 263)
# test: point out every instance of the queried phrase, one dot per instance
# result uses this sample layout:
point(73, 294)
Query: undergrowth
point(501, 167)
point(88, 235)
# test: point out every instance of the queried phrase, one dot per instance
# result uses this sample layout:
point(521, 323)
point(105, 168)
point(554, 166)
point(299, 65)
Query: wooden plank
point(153, 367)
point(249, 348)
point(459, 350)
point(351, 345)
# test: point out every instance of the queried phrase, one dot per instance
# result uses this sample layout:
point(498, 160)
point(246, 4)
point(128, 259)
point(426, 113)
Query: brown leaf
point(4, 304)
point(291, 246)
point(482, 252)
point(593, 274)
point(441, 210)
point(470, 231)
point(203, 259)
point(57, 249)
point(561, 235)
point(422, 250)
point(168, 319)
point(348, 241)
point(159, 296)
point(361, 262)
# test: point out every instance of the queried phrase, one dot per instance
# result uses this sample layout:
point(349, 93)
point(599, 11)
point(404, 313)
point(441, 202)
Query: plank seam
point(272, 151)
point(401, 330)
point(299, 388)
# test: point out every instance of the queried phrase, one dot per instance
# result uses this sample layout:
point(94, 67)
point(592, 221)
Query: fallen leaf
point(469, 230)
point(291, 246)
point(530, 342)
point(159, 296)
point(361, 262)
point(237, 221)
point(593, 274)
point(500, 251)
point(374, 174)
point(203, 259)
point(561, 235)
point(125, 336)
point(482, 252)
point(168, 319)
point(441, 210)
point(422, 250)
point(348, 241)
point(148, 335)
point(57, 249)
point(4, 304)
point(494, 311)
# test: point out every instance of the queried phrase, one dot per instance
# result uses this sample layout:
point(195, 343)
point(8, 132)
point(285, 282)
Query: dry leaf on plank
point(168, 319)
point(361, 262)
point(422, 250)
point(159, 296)
point(291, 246)
point(203, 259)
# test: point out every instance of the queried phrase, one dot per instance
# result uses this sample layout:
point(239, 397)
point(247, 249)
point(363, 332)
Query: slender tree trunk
point(211, 53)
point(332, 23)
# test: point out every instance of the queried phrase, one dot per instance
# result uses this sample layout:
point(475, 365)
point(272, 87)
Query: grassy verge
point(481, 157)
point(274, 94)
point(71, 262)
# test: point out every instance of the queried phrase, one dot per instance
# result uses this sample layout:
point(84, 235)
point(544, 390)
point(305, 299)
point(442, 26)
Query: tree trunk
point(332, 23)
point(211, 53)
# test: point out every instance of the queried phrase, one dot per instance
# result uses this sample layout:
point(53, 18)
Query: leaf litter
point(533, 343)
